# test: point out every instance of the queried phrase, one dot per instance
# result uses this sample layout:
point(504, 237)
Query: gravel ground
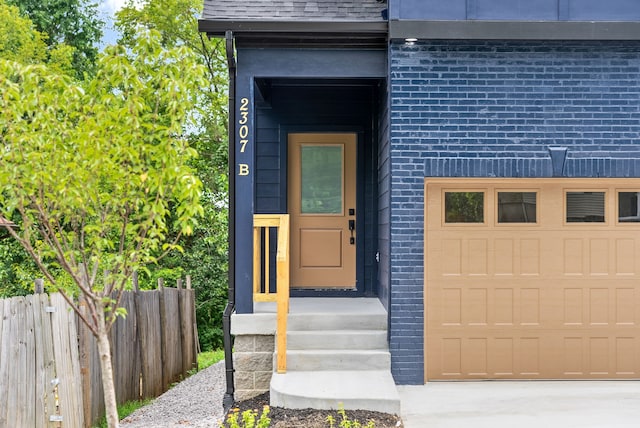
point(195, 402)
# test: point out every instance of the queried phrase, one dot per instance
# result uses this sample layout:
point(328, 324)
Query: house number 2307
point(243, 133)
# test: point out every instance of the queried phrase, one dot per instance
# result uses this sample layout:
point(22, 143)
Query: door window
point(321, 179)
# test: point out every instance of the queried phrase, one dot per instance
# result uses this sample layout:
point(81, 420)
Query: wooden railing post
point(283, 293)
point(261, 266)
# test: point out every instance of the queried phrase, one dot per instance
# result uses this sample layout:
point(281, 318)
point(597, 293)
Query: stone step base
point(353, 390)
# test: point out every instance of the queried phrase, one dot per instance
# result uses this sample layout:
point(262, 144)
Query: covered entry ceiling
point(532, 279)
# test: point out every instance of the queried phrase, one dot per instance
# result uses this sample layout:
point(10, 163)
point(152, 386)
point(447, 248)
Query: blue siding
point(517, 10)
point(430, 9)
point(384, 203)
point(493, 109)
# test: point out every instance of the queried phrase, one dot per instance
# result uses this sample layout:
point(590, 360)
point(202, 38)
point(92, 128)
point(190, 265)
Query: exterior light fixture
point(410, 41)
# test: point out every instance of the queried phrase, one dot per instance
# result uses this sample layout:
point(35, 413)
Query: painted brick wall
point(484, 109)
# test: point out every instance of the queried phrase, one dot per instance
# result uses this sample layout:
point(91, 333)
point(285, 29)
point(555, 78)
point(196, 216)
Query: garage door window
point(585, 207)
point(464, 207)
point(628, 209)
point(517, 207)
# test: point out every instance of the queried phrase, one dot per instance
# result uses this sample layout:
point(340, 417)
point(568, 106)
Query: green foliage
point(17, 271)
point(205, 255)
point(248, 419)
point(95, 171)
point(73, 23)
point(205, 258)
point(125, 410)
point(209, 358)
point(20, 41)
point(97, 174)
point(345, 422)
point(464, 207)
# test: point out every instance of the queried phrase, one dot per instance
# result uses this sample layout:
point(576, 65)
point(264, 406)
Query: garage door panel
point(501, 357)
point(626, 306)
point(451, 358)
point(625, 256)
point(573, 307)
point(475, 306)
point(451, 311)
point(599, 306)
point(529, 256)
point(503, 306)
point(476, 257)
point(573, 256)
point(474, 357)
point(503, 259)
point(550, 300)
point(529, 306)
point(573, 356)
point(626, 356)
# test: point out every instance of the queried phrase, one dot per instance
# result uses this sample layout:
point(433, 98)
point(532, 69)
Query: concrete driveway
point(546, 404)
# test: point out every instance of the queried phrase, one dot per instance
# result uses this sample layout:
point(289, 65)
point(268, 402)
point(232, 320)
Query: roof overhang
point(514, 30)
point(325, 33)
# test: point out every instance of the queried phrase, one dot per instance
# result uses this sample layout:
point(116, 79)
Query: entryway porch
point(337, 354)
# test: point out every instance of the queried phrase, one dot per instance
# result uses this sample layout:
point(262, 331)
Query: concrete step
point(338, 359)
point(331, 321)
point(354, 390)
point(337, 339)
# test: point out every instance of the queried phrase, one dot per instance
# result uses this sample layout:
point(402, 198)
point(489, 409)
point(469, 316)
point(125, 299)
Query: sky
point(107, 10)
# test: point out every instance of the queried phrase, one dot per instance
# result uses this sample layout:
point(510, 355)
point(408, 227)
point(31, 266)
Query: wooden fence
point(49, 367)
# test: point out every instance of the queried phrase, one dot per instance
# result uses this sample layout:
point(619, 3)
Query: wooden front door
point(322, 204)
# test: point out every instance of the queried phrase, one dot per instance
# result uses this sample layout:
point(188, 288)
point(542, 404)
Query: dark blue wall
point(519, 10)
point(384, 201)
point(493, 109)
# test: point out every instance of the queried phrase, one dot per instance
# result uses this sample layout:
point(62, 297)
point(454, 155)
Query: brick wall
point(483, 109)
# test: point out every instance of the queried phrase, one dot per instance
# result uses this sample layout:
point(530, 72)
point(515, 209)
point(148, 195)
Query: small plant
point(248, 419)
point(345, 422)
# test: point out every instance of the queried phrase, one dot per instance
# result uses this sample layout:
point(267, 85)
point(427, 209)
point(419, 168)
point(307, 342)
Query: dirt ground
point(311, 418)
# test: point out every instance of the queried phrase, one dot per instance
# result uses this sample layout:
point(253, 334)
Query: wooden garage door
point(532, 279)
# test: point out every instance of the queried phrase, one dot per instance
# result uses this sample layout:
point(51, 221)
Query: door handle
point(352, 228)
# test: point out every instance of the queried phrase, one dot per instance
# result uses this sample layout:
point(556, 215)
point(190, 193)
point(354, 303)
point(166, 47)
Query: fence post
point(196, 338)
point(134, 279)
point(163, 350)
point(39, 286)
point(186, 329)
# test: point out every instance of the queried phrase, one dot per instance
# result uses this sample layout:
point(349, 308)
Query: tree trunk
point(104, 353)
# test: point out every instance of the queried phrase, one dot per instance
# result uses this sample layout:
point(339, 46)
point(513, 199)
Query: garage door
point(532, 279)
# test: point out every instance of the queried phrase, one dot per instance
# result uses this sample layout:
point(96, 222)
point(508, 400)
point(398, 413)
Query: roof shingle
point(294, 10)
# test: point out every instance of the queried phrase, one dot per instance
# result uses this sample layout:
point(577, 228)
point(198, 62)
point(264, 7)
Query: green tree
point(74, 23)
point(93, 172)
point(206, 253)
point(21, 42)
